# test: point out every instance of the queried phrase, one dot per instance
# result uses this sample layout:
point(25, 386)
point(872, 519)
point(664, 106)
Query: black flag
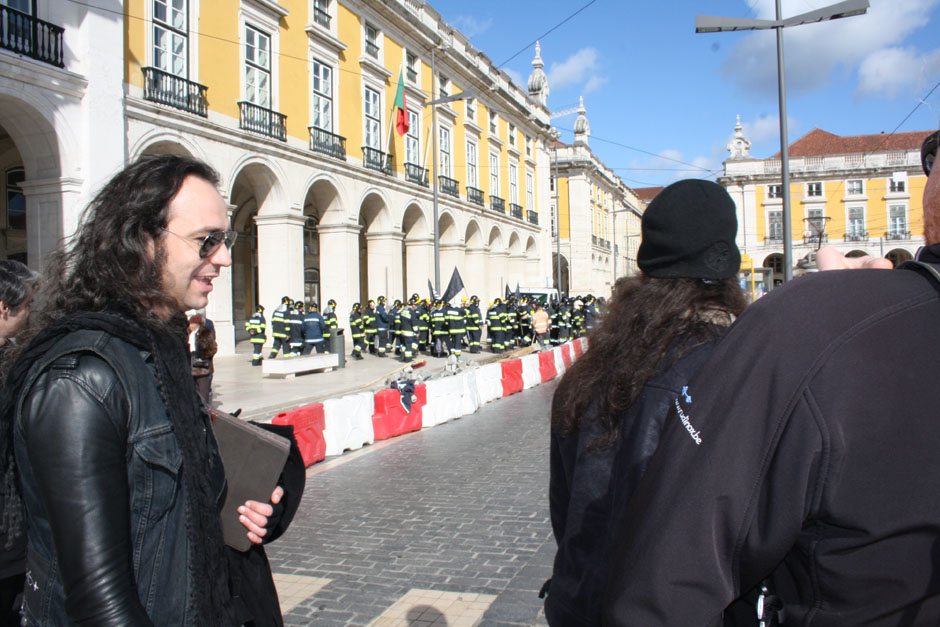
point(518, 294)
point(455, 285)
point(431, 291)
point(508, 293)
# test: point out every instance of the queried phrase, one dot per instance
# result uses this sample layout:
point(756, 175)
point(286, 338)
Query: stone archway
point(379, 250)
point(498, 263)
point(563, 286)
point(775, 263)
point(532, 263)
point(475, 260)
point(322, 197)
point(417, 252)
point(899, 256)
point(34, 196)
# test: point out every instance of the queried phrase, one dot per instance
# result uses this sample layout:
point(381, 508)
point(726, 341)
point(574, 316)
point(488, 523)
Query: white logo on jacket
point(695, 435)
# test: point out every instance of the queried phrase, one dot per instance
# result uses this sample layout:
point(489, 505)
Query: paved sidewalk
point(238, 384)
point(445, 526)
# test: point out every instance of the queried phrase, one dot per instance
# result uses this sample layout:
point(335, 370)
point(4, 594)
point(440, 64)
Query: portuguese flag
point(401, 112)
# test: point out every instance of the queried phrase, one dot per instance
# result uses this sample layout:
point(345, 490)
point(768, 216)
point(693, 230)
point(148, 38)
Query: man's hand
point(254, 515)
point(829, 258)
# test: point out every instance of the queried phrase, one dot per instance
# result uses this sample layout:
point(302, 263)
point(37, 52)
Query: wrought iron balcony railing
point(375, 159)
point(515, 210)
point(24, 34)
point(475, 195)
point(898, 234)
point(857, 236)
point(815, 238)
point(497, 204)
point(594, 240)
point(327, 143)
point(411, 74)
point(372, 49)
point(532, 217)
point(773, 237)
point(416, 174)
point(263, 121)
point(321, 17)
point(448, 186)
point(167, 89)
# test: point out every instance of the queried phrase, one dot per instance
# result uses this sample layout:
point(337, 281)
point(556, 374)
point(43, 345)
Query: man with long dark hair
point(120, 479)
point(610, 406)
point(814, 463)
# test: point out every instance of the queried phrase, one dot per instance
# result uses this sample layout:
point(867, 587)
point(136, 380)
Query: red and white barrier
point(349, 422)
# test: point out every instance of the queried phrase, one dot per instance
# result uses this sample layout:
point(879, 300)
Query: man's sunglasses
point(928, 151)
point(211, 242)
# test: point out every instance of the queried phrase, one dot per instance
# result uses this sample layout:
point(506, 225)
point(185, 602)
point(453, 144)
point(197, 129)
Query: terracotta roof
point(647, 194)
point(819, 142)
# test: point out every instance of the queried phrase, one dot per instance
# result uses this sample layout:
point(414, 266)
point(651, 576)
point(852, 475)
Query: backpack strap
point(929, 270)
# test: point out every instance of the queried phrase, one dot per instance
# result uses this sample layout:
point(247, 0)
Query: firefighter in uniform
point(456, 328)
point(329, 318)
point(381, 324)
point(439, 330)
point(474, 324)
point(357, 329)
point(315, 330)
point(255, 325)
point(369, 326)
point(296, 331)
point(394, 327)
point(423, 316)
point(495, 324)
point(407, 322)
point(280, 327)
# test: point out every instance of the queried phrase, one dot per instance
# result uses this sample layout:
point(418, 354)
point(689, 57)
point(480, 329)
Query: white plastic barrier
point(584, 344)
point(559, 361)
point(531, 375)
point(489, 382)
point(443, 401)
point(348, 422)
point(470, 396)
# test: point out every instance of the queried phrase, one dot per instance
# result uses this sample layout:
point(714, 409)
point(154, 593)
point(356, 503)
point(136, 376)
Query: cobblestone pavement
point(447, 526)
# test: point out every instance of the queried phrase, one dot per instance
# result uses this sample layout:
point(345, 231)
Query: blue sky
point(652, 85)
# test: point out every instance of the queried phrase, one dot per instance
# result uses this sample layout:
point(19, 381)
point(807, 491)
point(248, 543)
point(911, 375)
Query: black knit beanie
point(689, 231)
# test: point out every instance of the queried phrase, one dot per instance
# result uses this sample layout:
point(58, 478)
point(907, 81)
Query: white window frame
point(494, 123)
point(174, 33)
point(260, 17)
point(859, 184)
point(445, 150)
point(511, 139)
point(905, 224)
point(470, 110)
point(378, 41)
point(811, 187)
point(413, 138)
point(417, 67)
point(851, 228)
point(472, 158)
point(320, 98)
point(259, 60)
point(775, 227)
point(372, 117)
point(494, 174)
point(775, 191)
point(514, 183)
point(530, 190)
point(898, 183)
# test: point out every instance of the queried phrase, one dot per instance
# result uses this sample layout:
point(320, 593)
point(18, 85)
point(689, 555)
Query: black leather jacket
point(99, 466)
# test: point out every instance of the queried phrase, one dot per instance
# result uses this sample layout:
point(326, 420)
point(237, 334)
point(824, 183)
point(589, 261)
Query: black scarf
point(209, 600)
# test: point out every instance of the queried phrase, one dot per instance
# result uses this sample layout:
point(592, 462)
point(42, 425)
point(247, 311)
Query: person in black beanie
point(110, 468)
point(609, 408)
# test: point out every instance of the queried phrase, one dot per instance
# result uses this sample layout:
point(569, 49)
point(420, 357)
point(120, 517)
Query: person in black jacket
point(110, 468)
point(315, 330)
point(610, 405)
point(802, 457)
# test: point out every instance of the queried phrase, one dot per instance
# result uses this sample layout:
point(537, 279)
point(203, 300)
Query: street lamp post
point(464, 95)
point(710, 24)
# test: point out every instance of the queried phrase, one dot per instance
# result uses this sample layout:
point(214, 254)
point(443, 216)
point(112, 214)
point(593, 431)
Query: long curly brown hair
point(115, 261)
point(646, 320)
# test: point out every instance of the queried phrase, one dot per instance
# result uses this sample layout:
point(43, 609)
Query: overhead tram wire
point(529, 45)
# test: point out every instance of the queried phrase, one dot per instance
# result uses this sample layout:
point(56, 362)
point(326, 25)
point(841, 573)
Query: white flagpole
point(388, 142)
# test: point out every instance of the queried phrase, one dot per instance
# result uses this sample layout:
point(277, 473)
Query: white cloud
point(763, 128)
point(891, 72)
point(574, 69)
point(471, 26)
point(594, 83)
point(814, 51)
point(671, 165)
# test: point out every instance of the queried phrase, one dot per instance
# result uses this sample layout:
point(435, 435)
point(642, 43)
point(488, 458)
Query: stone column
point(498, 278)
point(51, 213)
point(280, 257)
point(339, 269)
point(476, 276)
point(419, 253)
point(385, 271)
point(452, 256)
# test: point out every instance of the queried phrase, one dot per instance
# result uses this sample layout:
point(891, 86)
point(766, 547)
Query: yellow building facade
point(598, 218)
point(861, 194)
point(293, 103)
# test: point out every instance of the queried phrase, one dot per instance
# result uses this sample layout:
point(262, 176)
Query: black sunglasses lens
point(211, 243)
